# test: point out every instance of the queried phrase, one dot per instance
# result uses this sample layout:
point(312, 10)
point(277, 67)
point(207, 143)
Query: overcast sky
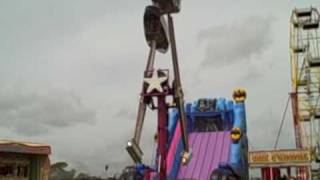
point(71, 71)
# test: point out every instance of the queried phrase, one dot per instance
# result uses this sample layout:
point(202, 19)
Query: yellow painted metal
point(305, 75)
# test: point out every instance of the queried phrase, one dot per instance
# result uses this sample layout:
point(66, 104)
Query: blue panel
point(230, 105)
point(189, 119)
point(235, 154)
point(177, 162)
point(221, 104)
point(173, 119)
point(240, 117)
point(237, 162)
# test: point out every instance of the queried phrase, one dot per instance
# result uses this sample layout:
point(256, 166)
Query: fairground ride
point(216, 128)
point(305, 102)
point(305, 76)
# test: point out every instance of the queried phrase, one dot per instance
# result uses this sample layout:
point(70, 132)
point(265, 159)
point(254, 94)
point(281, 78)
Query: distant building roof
point(8, 146)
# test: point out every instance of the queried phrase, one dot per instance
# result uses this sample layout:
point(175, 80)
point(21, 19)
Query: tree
point(58, 171)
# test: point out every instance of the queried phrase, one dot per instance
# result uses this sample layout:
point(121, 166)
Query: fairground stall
point(24, 160)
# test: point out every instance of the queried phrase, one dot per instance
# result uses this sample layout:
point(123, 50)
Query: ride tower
point(156, 88)
point(305, 80)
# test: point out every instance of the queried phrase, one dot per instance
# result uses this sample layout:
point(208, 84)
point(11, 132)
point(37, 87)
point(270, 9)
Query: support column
point(163, 135)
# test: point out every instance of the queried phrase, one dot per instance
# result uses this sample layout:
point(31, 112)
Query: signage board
point(294, 157)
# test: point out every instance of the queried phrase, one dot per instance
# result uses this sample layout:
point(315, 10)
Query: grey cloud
point(264, 138)
point(107, 151)
point(252, 74)
point(126, 112)
point(114, 156)
point(264, 119)
point(227, 44)
point(37, 113)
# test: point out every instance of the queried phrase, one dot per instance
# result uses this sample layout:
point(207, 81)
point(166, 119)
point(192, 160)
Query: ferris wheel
point(305, 76)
